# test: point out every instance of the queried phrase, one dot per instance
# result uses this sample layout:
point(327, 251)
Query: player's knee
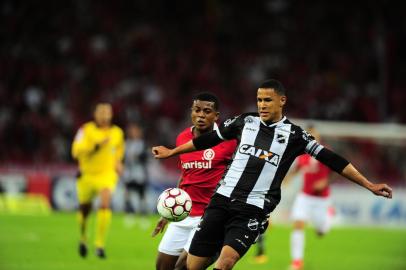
point(104, 206)
point(226, 263)
point(181, 262)
point(190, 265)
point(227, 260)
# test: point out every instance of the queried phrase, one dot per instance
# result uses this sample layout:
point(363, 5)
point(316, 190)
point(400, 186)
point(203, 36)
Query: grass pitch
point(50, 242)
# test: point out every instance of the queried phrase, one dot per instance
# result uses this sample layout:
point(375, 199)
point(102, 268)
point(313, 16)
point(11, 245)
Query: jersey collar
point(273, 124)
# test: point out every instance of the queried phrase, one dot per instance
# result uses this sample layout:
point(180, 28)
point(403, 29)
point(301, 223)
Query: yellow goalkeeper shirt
point(98, 150)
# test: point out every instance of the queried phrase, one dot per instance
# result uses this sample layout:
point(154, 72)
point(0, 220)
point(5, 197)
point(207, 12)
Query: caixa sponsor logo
point(260, 153)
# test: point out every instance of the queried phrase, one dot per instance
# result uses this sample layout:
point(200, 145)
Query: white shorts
point(178, 236)
point(313, 209)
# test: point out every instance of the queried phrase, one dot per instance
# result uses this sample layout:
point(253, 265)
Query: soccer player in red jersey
point(201, 172)
point(311, 204)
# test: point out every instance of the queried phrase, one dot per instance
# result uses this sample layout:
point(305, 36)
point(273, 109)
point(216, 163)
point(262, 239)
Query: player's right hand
point(160, 226)
point(160, 152)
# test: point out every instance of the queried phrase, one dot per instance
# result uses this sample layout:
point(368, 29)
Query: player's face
point(203, 115)
point(134, 132)
point(270, 104)
point(103, 114)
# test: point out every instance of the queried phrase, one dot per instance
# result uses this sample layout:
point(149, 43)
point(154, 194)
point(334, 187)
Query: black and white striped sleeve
point(228, 130)
point(231, 128)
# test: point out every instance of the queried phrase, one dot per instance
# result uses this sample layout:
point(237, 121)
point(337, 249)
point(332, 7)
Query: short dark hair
point(207, 96)
point(274, 84)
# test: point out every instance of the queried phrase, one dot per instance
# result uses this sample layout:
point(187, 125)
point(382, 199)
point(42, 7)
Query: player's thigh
point(209, 236)
point(244, 228)
point(301, 208)
point(175, 238)
point(85, 189)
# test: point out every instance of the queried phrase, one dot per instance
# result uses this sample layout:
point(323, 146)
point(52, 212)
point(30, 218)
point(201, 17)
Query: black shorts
point(225, 222)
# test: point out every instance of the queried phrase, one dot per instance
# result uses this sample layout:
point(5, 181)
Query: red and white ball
point(174, 204)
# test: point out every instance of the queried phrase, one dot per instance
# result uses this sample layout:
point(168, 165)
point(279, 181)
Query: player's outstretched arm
point(351, 173)
point(161, 152)
point(340, 165)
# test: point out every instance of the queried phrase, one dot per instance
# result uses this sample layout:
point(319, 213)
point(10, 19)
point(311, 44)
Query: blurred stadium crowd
point(57, 59)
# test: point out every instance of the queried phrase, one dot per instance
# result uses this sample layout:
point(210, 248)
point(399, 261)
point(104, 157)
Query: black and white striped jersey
point(262, 158)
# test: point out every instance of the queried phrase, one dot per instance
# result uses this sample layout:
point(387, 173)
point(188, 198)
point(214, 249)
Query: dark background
point(339, 60)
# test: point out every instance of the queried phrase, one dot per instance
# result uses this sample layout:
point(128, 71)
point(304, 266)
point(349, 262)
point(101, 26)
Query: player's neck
point(273, 121)
point(103, 126)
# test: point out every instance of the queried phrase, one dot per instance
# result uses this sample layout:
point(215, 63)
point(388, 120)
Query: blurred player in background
point(311, 204)
point(135, 174)
point(249, 191)
point(99, 148)
point(260, 256)
point(201, 172)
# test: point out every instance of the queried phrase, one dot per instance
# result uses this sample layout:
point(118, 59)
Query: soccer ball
point(174, 204)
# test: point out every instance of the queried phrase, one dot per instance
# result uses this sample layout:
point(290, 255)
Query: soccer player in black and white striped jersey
point(249, 191)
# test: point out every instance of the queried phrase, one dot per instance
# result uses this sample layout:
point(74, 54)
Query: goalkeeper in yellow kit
point(99, 148)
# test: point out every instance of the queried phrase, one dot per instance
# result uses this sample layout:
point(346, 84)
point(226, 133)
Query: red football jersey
point(313, 171)
point(202, 170)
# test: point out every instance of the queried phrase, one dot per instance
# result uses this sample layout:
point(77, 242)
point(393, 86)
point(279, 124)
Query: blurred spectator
point(135, 169)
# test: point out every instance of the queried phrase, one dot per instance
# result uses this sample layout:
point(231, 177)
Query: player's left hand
point(160, 226)
point(382, 190)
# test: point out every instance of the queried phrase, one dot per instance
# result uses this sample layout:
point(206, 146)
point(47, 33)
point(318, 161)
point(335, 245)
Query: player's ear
point(217, 116)
point(283, 100)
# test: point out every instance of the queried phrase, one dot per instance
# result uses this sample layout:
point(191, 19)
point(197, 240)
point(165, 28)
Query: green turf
point(50, 242)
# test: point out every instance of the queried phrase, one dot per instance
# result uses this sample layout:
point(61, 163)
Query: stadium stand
point(57, 59)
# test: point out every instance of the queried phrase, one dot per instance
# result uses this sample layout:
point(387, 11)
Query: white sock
point(297, 241)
